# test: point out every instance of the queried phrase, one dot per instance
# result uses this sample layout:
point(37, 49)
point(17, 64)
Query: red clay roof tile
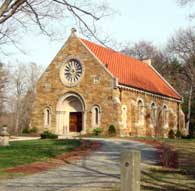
point(132, 72)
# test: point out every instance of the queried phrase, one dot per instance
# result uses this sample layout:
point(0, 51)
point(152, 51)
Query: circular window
point(71, 72)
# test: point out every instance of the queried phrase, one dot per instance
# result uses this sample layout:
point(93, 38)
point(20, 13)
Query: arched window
point(165, 116)
point(47, 117)
point(95, 118)
point(153, 113)
point(124, 116)
point(140, 111)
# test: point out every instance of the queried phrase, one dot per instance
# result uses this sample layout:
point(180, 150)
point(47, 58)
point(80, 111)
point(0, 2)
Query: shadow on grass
point(160, 179)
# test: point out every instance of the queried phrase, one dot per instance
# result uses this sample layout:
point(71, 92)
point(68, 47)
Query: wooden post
point(130, 170)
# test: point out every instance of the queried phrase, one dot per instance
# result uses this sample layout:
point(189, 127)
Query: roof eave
point(162, 96)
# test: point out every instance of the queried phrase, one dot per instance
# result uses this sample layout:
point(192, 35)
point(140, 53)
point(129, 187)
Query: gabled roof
point(132, 72)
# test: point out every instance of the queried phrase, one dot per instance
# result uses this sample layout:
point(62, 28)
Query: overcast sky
point(152, 20)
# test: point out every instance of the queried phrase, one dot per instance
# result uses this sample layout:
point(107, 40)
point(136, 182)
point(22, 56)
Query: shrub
point(171, 134)
point(33, 130)
point(178, 134)
point(48, 135)
point(97, 131)
point(168, 157)
point(112, 130)
point(26, 130)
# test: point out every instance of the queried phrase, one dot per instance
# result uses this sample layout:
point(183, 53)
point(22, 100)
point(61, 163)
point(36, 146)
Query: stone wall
point(130, 99)
point(50, 88)
point(112, 101)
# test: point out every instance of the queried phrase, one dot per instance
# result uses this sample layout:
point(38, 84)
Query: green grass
point(25, 152)
point(156, 178)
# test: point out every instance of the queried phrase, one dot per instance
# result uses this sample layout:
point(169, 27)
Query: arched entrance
point(70, 114)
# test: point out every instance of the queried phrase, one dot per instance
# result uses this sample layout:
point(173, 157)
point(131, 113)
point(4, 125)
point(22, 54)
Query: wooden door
point(75, 123)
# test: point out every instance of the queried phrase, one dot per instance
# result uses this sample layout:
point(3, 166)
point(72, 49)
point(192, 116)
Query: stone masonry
point(104, 93)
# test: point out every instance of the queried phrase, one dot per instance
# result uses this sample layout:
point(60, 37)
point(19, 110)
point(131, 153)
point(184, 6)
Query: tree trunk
point(189, 108)
point(17, 123)
point(17, 114)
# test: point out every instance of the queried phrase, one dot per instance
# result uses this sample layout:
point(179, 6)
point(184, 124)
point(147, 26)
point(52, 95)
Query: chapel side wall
point(130, 98)
point(50, 88)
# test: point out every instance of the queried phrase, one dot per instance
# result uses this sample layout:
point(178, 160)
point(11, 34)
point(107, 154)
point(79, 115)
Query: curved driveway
point(99, 171)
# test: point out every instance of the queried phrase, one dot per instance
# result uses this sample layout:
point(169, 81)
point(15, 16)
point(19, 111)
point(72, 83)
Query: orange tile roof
point(132, 72)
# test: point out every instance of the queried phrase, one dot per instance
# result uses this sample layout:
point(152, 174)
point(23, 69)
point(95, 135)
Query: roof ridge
point(131, 71)
point(117, 52)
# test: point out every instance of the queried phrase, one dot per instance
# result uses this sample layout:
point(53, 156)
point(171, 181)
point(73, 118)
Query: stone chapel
point(88, 86)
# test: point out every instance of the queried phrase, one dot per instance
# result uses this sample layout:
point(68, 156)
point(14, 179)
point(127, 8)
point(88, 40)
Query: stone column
point(4, 137)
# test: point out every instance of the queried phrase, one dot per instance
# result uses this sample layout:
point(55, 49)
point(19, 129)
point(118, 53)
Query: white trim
point(155, 116)
point(140, 99)
point(149, 93)
point(155, 104)
point(95, 123)
point(47, 117)
point(62, 126)
point(124, 116)
point(141, 111)
point(165, 116)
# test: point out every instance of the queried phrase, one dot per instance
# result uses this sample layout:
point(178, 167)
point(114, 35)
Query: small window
point(140, 111)
point(165, 116)
point(47, 117)
point(153, 113)
point(95, 118)
point(124, 116)
point(96, 79)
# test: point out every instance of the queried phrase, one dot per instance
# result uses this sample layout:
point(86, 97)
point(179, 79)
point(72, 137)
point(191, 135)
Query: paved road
point(99, 171)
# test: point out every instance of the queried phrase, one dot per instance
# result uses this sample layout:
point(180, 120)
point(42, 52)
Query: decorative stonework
point(97, 87)
point(71, 72)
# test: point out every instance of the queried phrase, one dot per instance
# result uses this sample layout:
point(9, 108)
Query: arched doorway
point(70, 114)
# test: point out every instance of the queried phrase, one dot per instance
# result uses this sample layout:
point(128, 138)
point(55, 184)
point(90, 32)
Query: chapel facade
point(88, 86)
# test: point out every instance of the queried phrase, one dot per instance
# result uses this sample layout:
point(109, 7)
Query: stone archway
point(70, 114)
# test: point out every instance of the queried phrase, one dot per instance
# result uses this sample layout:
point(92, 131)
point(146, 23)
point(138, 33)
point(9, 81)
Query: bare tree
point(30, 13)
point(18, 76)
point(185, 2)
point(32, 75)
point(182, 45)
point(141, 50)
point(146, 50)
point(3, 82)
point(22, 93)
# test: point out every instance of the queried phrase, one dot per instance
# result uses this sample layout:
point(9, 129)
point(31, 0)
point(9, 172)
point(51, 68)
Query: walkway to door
point(98, 172)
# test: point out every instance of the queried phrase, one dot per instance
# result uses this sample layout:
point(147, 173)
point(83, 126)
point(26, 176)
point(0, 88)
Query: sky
point(134, 20)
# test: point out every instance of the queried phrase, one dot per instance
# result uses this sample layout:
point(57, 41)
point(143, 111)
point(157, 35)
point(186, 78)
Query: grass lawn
point(157, 178)
point(25, 152)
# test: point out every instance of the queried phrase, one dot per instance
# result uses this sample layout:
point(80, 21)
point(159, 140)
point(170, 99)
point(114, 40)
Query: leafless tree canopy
point(185, 2)
point(17, 14)
point(20, 94)
point(3, 82)
point(146, 50)
point(182, 45)
point(141, 50)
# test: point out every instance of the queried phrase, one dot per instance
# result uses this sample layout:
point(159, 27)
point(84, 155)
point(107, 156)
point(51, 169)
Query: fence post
point(130, 170)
